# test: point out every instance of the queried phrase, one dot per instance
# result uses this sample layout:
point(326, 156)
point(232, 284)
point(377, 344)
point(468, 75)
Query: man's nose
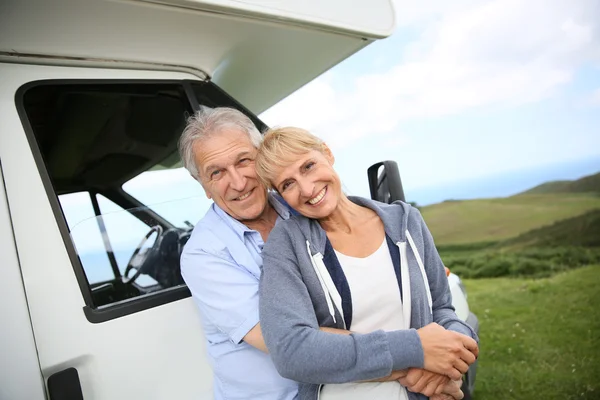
point(238, 180)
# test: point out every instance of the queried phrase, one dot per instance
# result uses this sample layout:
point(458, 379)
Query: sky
point(462, 93)
point(472, 98)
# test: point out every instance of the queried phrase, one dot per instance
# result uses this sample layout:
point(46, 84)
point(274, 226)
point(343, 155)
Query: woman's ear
point(328, 154)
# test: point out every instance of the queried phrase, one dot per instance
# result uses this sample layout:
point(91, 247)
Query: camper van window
point(107, 153)
point(86, 235)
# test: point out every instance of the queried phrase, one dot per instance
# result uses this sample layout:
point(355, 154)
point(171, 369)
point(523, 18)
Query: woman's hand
point(446, 352)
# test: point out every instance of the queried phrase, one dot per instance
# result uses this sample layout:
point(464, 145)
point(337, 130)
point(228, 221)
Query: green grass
point(540, 339)
point(493, 220)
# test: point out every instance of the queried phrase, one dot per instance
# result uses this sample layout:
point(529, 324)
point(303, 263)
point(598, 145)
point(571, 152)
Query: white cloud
point(410, 12)
point(500, 53)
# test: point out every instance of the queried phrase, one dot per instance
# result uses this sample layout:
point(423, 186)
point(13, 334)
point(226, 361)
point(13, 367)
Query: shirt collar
point(239, 228)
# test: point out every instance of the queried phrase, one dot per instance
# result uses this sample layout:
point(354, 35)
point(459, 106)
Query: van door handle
point(65, 385)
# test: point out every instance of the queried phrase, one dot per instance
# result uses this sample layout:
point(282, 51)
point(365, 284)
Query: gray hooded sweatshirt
point(303, 287)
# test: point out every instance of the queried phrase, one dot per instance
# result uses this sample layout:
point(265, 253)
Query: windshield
point(171, 193)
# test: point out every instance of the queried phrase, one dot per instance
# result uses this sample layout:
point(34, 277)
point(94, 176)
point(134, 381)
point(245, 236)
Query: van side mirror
point(384, 182)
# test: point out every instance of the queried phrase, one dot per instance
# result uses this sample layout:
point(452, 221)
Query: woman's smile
point(318, 198)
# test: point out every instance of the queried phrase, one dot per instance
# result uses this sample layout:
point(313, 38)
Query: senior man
point(221, 263)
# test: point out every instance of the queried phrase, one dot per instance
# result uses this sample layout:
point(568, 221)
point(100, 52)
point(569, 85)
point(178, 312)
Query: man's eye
point(245, 161)
point(215, 174)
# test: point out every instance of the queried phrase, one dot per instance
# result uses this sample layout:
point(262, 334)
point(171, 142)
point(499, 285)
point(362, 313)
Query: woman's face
point(310, 184)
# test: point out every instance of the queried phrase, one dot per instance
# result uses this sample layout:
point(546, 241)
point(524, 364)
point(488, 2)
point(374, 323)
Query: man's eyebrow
point(210, 168)
point(243, 154)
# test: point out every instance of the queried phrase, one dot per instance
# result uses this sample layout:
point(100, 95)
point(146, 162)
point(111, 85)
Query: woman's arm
point(301, 351)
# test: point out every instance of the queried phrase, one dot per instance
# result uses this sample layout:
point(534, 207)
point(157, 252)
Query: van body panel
point(257, 61)
point(153, 354)
point(20, 376)
point(371, 18)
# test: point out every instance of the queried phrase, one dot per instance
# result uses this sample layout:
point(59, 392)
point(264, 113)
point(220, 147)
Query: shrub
point(494, 268)
point(530, 267)
point(532, 262)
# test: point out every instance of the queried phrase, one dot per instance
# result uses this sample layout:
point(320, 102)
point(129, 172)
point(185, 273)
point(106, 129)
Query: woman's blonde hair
point(278, 148)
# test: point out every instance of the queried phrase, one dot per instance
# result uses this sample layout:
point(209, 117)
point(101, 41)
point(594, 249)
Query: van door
point(88, 155)
point(20, 376)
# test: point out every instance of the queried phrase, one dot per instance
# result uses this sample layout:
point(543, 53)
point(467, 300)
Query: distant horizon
point(503, 184)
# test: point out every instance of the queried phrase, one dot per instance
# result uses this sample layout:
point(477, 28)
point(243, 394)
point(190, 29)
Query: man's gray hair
point(207, 122)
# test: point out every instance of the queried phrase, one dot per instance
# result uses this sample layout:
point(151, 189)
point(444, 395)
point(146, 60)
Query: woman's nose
point(306, 188)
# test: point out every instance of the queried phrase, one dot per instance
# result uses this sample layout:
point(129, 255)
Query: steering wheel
point(141, 262)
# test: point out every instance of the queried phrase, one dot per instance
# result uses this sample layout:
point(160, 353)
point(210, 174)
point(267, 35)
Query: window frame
point(99, 314)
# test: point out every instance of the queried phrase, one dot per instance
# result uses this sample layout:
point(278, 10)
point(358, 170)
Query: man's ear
point(208, 196)
point(328, 154)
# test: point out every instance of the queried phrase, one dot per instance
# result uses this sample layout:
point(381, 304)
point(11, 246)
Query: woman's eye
point(309, 165)
point(285, 186)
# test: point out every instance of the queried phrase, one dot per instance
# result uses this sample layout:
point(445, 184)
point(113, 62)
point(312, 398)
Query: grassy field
point(491, 220)
point(540, 339)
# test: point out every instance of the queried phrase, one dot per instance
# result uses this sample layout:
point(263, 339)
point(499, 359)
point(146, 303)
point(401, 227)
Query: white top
point(376, 304)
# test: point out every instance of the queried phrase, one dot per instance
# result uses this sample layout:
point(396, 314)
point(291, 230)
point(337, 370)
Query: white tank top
point(376, 304)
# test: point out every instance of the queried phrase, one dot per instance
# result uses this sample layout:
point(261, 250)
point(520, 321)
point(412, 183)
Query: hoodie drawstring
point(405, 278)
point(332, 296)
point(326, 283)
point(422, 268)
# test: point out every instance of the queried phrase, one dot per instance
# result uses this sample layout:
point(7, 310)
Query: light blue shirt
point(221, 264)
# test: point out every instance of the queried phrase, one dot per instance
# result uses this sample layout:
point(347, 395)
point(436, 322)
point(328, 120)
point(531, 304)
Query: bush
point(530, 267)
point(533, 262)
point(494, 268)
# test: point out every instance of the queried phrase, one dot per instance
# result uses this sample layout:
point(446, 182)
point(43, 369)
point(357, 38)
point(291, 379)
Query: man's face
point(225, 164)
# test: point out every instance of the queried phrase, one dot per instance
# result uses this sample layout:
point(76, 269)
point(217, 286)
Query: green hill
point(583, 230)
point(551, 228)
point(494, 220)
point(586, 184)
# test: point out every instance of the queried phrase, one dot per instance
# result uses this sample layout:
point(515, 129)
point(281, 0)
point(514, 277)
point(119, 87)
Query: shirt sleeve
point(225, 292)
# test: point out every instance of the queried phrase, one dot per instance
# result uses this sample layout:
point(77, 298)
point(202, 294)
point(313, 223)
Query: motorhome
point(93, 97)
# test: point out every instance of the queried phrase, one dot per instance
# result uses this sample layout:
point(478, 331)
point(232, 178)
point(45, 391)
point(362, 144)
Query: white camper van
point(93, 97)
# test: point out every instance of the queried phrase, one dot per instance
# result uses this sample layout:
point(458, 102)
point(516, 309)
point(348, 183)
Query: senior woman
point(369, 271)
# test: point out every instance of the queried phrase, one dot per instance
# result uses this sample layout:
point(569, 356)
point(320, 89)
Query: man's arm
point(226, 293)
point(255, 338)
point(431, 384)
